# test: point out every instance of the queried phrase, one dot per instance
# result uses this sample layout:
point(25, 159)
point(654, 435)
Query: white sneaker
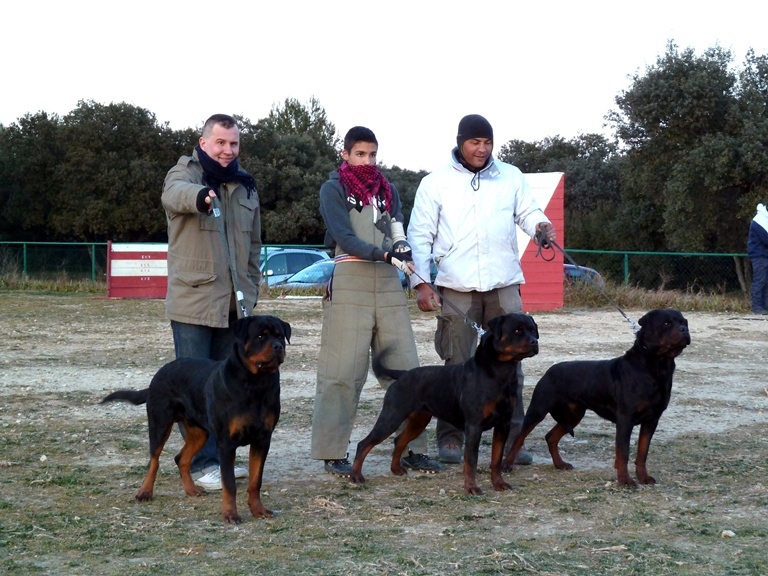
point(212, 480)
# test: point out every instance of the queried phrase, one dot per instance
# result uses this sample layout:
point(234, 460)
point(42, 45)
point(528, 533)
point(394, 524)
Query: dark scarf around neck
point(214, 174)
point(365, 182)
point(460, 159)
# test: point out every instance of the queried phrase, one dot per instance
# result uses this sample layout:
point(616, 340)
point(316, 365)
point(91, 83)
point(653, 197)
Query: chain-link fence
point(669, 270)
point(651, 270)
point(55, 260)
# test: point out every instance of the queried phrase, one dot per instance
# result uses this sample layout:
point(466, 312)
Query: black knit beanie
point(473, 126)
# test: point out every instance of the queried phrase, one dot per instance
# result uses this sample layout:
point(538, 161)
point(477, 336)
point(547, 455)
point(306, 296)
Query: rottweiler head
point(663, 333)
point(513, 337)
point(261, 342)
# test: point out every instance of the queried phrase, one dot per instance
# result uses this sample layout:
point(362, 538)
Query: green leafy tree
point(31, 151)
point(592, 182)
point(680, 184)
point(406, 182)
point(291, 153)
point(110, 183)
point(752, 127)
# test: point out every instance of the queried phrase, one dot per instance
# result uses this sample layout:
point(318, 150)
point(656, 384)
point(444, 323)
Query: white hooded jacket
point(757, 239)
point(466, 221)
point(761, 216)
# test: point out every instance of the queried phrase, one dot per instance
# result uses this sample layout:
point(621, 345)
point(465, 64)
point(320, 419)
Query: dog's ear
point(286, 331)
point(494, 325)
point(240, 327)
point(645, 327)
point(535, 326)
point(647, 318)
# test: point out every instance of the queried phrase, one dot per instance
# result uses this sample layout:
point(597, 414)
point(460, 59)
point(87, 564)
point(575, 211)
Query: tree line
point(683, 170)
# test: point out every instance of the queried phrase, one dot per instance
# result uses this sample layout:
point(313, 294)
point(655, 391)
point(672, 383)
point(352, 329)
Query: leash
point(545, 243)
point(220, 225)
point(466, 318)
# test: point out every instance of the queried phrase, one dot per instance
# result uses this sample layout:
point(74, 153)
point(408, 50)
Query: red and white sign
point(137, 270)
point(543, 288)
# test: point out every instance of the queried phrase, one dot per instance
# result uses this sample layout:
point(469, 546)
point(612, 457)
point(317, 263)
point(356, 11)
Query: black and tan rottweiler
point(475, 396)
point(629, 390)
point(237, 399)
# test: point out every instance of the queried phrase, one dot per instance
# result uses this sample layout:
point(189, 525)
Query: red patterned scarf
point(364, 183)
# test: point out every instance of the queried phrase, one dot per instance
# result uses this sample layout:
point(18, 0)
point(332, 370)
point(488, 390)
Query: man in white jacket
point(464, 217)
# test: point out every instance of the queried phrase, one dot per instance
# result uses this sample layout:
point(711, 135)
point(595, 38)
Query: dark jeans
point(195, 341)
point(759, 293)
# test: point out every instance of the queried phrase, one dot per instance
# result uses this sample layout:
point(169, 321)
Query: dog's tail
point(380, 370)
point(135, 397)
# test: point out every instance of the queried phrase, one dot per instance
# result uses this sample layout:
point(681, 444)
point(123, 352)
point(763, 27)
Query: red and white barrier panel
point(137, 270)
point(543, 288)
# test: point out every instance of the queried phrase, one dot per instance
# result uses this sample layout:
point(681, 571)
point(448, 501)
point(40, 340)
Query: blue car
point(317, 275)
point(278, 264)
point(591, 276)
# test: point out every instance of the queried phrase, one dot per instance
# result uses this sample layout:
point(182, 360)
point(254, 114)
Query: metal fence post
point(626, 268)
point(93, 262)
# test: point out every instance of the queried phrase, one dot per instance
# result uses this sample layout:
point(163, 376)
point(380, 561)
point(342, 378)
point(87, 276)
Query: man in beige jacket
point(201, 301)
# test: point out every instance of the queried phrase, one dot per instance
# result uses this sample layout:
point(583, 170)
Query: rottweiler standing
point(237, 399)
point(475, 396)
point(629, 390)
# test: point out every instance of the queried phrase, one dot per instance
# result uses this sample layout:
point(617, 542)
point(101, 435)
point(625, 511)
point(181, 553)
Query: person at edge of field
point(757, 250)
point(364, 310)
point(464, 218)
point(201, 302)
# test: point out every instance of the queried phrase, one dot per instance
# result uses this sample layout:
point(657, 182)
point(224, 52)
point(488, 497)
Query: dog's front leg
point(228, 487)
point(643, 444)
point(471, 447)
point(258, 456)
point(500, 434)
point(623, 435)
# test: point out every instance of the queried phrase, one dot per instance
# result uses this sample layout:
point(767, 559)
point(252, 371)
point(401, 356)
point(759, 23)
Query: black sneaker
point(524, 457)
point(449, 455)
point(421, 462)
point(340, 468)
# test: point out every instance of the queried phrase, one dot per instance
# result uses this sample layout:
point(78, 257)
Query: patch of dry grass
point(72, 514)
point(586, 296)
point(69, 471)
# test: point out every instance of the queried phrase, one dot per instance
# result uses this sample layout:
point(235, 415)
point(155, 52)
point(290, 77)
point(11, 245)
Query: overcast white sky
point(409, 70)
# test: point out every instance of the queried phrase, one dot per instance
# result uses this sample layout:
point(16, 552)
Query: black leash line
point(466, 318)
point(220, 224)
point(545, 243)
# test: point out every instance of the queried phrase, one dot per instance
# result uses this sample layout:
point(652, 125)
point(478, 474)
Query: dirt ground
point(719, 385)
point(60, 354)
